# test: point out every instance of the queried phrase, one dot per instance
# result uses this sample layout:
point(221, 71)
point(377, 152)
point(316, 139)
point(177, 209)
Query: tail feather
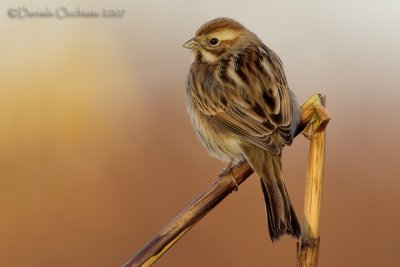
point(281, 216)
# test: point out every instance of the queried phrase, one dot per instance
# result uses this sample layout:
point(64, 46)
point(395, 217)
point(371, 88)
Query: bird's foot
point(228, 171)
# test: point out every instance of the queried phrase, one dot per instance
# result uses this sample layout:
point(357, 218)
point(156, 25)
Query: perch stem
point(308, 246)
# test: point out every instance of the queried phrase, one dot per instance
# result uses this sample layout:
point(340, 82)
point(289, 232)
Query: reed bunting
point(242, 109)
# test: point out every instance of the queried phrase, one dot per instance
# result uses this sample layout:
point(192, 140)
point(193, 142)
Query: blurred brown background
point(97, 153)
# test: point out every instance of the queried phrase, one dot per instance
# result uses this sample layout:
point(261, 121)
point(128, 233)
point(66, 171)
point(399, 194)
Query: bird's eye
point(214, 41)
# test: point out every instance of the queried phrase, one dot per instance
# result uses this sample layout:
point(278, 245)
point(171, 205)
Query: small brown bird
point(242, 109)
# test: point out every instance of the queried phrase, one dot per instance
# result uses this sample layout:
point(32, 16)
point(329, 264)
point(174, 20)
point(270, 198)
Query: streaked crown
point(220, 24)
point(216, 37)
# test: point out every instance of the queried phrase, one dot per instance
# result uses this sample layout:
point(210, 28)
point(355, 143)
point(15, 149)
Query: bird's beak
point(191, 44)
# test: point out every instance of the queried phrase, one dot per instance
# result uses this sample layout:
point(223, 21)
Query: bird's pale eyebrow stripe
point(225, 35)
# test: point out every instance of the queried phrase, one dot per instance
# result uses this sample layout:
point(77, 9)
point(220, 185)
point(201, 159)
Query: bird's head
point(217, 37)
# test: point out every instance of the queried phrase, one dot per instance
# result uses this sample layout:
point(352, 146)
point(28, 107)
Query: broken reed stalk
point(308, 246)
point(228, 181)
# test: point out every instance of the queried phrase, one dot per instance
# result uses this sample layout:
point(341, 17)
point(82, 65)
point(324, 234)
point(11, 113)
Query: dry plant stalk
point(308, 246)
point(228, 181)
point(182, 223)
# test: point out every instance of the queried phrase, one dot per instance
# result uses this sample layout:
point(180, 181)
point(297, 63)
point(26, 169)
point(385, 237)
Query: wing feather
point(259, 111)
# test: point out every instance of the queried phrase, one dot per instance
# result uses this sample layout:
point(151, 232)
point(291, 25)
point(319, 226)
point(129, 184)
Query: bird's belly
point(221, 145)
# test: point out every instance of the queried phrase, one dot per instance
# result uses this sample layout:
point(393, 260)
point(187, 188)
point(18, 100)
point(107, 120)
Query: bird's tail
point(280, 213)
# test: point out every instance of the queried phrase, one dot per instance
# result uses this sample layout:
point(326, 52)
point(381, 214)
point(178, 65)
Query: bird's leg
point(228, 171)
